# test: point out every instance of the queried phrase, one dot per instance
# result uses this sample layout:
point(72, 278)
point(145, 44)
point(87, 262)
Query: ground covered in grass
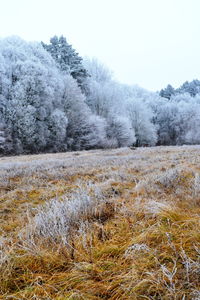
point(114, 224)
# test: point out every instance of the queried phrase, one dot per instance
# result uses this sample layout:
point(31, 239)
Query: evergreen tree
point(67, 59)
point(192, 88)
point(167, 92)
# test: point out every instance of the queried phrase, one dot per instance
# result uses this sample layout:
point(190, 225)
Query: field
point(102, 224)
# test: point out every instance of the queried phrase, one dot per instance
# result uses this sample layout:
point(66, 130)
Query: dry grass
point(117, 224)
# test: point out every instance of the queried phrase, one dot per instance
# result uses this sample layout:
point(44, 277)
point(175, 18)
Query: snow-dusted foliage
point(67, 59)
point(58, 127)
point(192, 88)
point(6, 145)
point(167, 92)
point(129, 118)
point(32, 89)
point(120, 132)
point(42, 108)
point(140, 116)
point(98, 71)
point(83, 131)
point(177, 119)
point(104, 95)
point(2, 137)
point(51, 100)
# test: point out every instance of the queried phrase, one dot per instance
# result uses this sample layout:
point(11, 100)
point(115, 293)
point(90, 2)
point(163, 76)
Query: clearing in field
point(114, 224)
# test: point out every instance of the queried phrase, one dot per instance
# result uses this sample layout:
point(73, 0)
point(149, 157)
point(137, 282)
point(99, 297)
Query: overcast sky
point(146, 42)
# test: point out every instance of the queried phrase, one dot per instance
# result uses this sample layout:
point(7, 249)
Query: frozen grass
point(109, 224)
point(58, 219)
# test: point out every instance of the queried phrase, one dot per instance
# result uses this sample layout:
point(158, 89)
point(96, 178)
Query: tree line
point(53, 100)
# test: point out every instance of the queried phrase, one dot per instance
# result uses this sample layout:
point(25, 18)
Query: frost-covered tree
point(166, 121)
point(67, 59)
point(32, 89)
point(141, 117)
point(81, 127)
point(192, 135)
point(105, 96)
point(106, 99)
point(57, 125)
point(187, 120)
point(6, 145)
point(97, 70)
point(119, 132)
point(103, 93)
point(2, 138)
point(126, 119)
point(94, 133)
point(167, 92)
point(177, 120)
point(43, 107)
point(192, 88)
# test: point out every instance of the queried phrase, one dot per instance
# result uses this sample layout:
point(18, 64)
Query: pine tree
point(167, 92)
point(67, 59)
point(192, 88)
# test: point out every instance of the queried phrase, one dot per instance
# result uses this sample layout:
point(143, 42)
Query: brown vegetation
point(132, 221)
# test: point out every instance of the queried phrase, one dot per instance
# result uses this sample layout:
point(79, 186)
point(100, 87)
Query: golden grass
point(145, 243)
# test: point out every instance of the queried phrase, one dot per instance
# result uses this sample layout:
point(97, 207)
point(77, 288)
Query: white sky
point(146, 42)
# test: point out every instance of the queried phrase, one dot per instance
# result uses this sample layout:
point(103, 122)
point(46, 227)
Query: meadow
point(101, 224)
